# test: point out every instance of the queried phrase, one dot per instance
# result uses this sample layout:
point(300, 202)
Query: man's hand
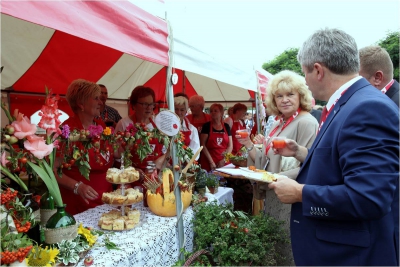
point(287, 190)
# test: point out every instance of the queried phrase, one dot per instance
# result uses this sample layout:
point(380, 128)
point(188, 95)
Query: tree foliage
point(391, 44)
point(285, 61)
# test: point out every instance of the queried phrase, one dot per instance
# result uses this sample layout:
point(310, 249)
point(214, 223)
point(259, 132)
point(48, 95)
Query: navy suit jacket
point(349, 214)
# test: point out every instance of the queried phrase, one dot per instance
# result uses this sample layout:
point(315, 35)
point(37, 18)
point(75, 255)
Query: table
point(223, 196)
point(154, 242)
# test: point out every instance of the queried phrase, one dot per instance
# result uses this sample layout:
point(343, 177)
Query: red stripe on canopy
point(65, 59)
point(158, 83)
point(117, 24)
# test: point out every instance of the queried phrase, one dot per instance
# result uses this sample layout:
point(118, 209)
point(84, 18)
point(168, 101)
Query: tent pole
point(183, 82)
point(170, 100)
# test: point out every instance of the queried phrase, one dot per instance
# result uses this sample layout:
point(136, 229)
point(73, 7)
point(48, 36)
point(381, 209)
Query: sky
point(250, 33)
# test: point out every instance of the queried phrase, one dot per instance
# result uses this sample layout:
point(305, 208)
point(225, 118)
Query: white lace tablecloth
point(154, 242)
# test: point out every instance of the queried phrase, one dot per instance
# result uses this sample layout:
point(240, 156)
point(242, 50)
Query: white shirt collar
point(338, 93)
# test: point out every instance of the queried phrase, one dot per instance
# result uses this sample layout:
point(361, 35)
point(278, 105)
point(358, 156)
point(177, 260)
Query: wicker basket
point(239, 163)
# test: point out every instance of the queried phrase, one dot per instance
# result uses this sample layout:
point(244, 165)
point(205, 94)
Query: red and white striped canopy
point(116, 43)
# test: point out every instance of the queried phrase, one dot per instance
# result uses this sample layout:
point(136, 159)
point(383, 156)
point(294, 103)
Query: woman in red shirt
point(84, 99)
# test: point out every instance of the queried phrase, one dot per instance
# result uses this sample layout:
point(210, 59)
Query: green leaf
point(49, 179)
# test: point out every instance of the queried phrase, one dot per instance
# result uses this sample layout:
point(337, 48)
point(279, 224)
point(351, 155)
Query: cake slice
point(129, 224)
point(134, 215)
point(118, 224)
point(107, 224)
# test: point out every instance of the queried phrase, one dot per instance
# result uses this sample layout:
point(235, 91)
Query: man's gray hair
point(332, 48)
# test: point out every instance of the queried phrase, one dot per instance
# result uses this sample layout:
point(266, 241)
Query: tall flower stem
point(15, 178)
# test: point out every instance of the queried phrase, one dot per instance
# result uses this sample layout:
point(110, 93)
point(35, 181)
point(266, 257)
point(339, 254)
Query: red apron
point(236, 125)
point(75, 204)
point(187, 132)
point(216, 145)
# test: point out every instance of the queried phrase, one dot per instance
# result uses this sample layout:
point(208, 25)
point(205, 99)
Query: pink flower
point(23, 127)
point(4, 161)
point(37, 146)
point(50, 114)
point(95, 130)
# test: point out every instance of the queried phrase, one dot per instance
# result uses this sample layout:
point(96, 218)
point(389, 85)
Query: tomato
point(72, 162)
point(23, 160)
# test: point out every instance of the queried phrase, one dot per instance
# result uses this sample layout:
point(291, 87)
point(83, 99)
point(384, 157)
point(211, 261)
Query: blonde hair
point(181, 100)
point(374, 58)
point(79, 91)
point(288, 81)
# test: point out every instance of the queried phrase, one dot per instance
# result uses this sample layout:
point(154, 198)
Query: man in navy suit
point(377, 67)
point(346, 198)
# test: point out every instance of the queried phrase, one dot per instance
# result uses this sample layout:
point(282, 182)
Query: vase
point(60, 226)
point(213, 189)
point(34, 232)
point(47, 207)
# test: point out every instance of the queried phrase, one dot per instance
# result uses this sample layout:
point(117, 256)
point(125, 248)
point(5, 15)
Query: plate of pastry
point(257, 175)
point(115, 221)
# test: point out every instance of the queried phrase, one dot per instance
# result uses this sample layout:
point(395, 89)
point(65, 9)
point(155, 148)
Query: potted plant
point(212, 182)
point(201, 178)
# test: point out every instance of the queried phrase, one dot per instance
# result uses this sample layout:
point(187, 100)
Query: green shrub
point(233, 238)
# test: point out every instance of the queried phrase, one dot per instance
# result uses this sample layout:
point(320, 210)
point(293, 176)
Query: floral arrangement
point(139, 136)
point(74, 146)
point(35, 154)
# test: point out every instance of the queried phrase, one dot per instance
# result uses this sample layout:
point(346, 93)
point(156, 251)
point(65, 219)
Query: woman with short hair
point(84, 99)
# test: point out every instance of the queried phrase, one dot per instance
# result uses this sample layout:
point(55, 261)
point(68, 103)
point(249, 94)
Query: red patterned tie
point(323, 115)
point(323, 118)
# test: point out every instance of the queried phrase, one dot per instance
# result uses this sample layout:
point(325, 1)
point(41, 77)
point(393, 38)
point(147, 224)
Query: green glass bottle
point(60, 219)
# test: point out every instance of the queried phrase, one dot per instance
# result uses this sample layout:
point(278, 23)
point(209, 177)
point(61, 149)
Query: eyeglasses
point(146, 105)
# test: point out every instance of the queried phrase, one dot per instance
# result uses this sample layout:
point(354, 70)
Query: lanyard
point(277, 127)
point(387, 87)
